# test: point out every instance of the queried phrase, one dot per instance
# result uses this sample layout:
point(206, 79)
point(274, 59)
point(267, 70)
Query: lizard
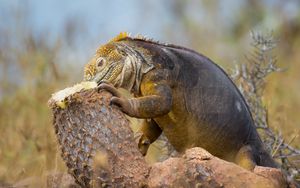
point(182, 93)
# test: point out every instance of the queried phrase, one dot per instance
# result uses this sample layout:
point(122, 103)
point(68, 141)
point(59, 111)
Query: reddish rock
point(99, 149)
point(198, 168)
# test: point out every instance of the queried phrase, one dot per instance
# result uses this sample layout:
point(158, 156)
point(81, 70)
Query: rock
point(96, 140)
point(98, 147)
point(198, 168)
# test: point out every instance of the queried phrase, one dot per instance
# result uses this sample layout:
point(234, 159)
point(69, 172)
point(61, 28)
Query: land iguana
point(182, 93)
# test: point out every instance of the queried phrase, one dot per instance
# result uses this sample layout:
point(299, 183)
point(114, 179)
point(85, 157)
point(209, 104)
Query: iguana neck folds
point(135, 66)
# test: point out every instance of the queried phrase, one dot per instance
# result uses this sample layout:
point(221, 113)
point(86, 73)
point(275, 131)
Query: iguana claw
point(110, 88)
point(117, 98)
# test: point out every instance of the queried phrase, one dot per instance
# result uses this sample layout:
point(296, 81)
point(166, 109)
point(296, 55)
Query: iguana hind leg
point(147, 134)
point(246, 158)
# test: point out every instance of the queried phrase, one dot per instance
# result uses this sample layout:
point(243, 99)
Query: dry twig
point(250, 79)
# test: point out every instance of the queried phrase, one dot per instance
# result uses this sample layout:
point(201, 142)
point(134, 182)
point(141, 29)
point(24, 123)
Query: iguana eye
point(100, 61)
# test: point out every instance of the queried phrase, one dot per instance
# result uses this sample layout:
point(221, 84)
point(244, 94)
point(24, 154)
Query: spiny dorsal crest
point(124, 35)
point(120, 36)
point(109, 50)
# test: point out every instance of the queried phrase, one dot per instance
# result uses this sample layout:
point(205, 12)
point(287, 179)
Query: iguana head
point(119, 63)
point(107, 64)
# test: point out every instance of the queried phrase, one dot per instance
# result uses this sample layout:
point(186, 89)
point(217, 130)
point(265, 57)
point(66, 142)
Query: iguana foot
point(142, 141)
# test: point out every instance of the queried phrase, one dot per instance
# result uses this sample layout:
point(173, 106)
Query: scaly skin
point(182, 93)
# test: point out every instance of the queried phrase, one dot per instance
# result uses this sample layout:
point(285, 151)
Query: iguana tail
point(267, 160)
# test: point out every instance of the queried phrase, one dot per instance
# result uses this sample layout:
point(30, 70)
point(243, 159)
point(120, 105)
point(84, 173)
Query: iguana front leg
point(156, 99)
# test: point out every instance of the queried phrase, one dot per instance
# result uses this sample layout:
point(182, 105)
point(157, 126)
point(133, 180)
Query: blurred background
point(45, 44)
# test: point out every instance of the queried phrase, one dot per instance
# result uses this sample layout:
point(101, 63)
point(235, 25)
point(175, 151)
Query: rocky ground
point(106, 155)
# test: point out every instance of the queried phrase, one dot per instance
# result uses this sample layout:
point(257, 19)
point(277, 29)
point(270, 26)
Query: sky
point(101, 20)
point(113, 16)
point(105, 17)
